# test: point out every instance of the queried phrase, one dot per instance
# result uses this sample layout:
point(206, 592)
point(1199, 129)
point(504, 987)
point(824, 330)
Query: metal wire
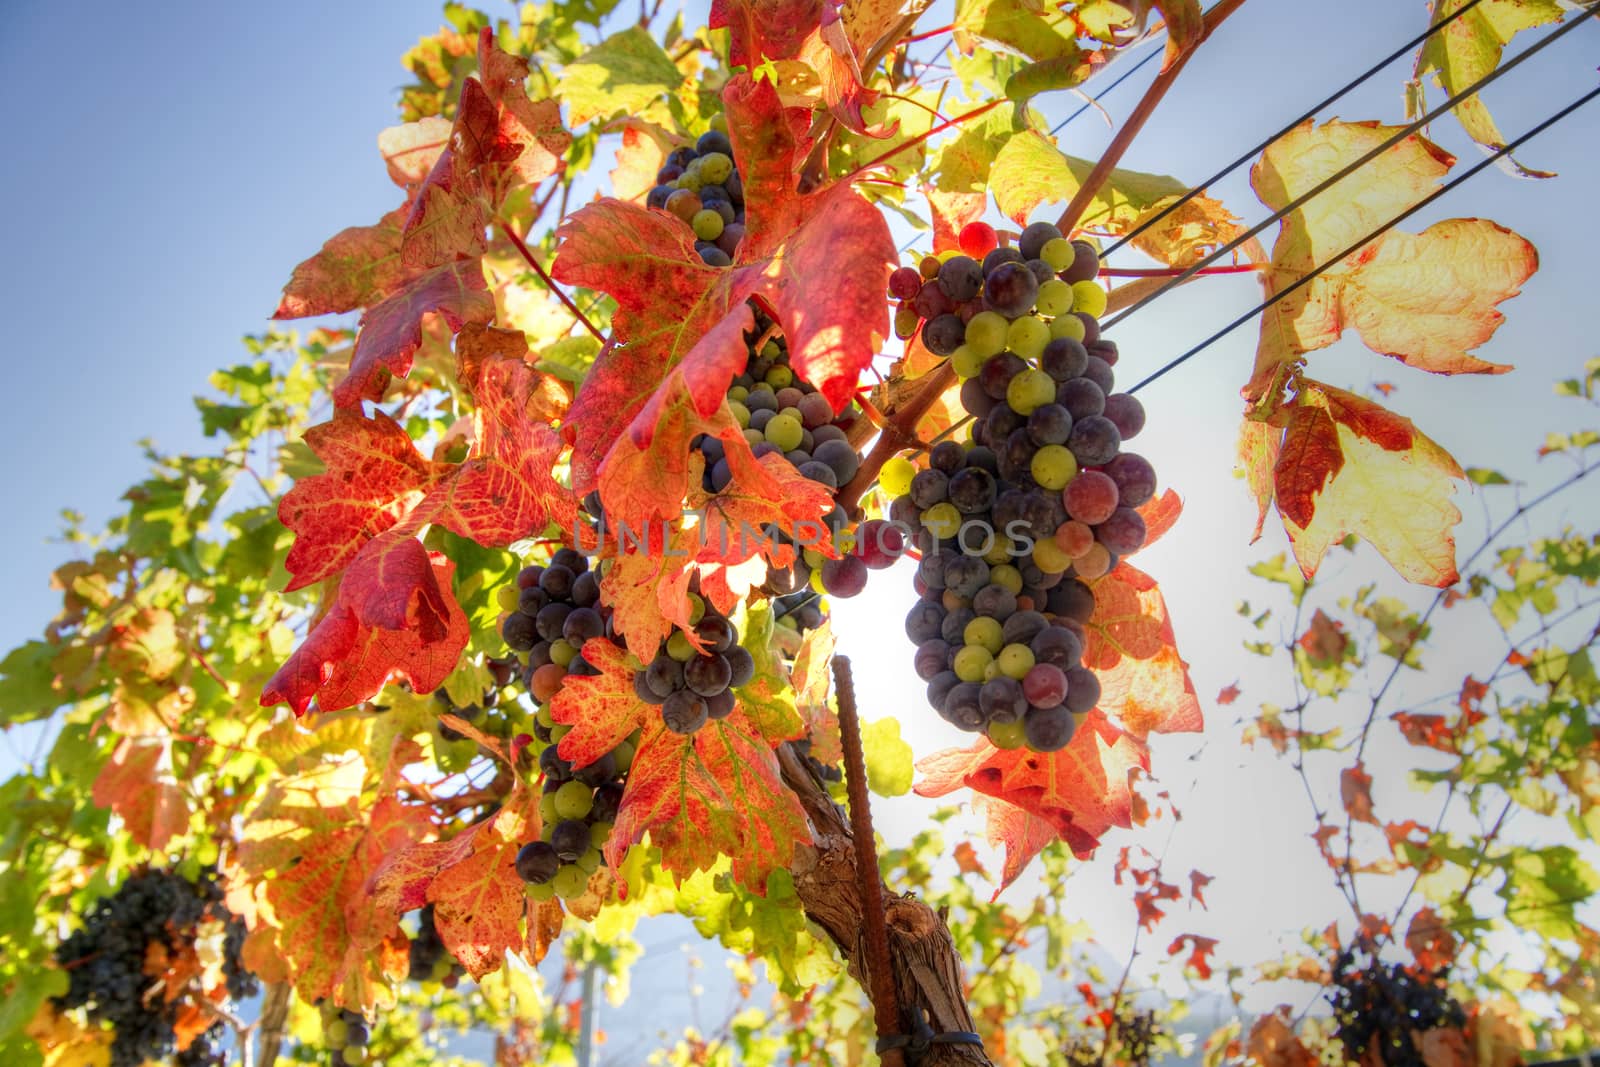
point(1376, 233)
point(1310, 113)
point(1333, 179)
point(1130, 72)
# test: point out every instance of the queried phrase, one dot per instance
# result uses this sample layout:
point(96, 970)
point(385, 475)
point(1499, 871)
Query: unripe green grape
point(815, 558)
point(780, 377)
point(986, 333)
point(1006, 735)
point(547, 810)
point(771, 351)
point(558, 731)
point(1015, 661)
point(570, 881)
point(562, 653)
point(1059, 253)
point(1053, 466)
point(697, 609)
point(589, 862)
point(507, 597)
point(715, 168)
point(1006, 576)
point(598, 833)
point(679, 648)
point(540, 892)
point(741, 413)
point(738, 392)
point(1048, 557)
point(1027, 336)
point(1067, 326)
point(971, 662)
point(1000, 553)
point(623, 755)
point(1089, 298)
point(544, 716)
point(785, 431)
point(1030, 389)
point(895, 477)
point(336, 1033)
point(691, 180)
point(707, 225)
point(1055, 297)
point(353, 1055)
point(573, 800)
point(718, 122)
point(942, 520)
point(986, 633)
point(964, 360)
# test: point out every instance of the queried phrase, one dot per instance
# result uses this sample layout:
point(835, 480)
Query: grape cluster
point(1039, 500)
point(153, 910)
point(701, 186)
point(1135, 1033)
point(345, 1033)
point(576, 813)
point(1388, 1008)
point(557, 608)
point(691, 686)
point(430, 961)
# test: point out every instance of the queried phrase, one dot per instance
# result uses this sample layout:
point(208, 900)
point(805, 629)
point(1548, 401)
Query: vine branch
point(549, 282)
point(899, 432)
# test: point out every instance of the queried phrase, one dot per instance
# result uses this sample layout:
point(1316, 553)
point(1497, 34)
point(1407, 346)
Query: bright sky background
point(174, 163)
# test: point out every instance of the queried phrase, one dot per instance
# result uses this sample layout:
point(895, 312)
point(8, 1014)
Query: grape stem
point(549, 282)
point(1173, 272)
point(899, 432)
point(1137, 118)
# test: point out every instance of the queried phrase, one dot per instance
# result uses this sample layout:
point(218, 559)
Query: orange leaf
point(1082, 791)
point(1197, 885)
point(1023, 834)
point(1355, 790)
point(1324, 640)
point(714, 793)
point(137, 784)
point(1228, 694)
point(471, 881)
point(357, 267)
point(1430, 940)
point(1131, 647)
point(1199, 954)
point(966, 858)
point(1273, 1043)
point(602, 708)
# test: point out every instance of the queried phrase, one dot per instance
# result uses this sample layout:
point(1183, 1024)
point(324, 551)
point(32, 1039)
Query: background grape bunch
point(155, 915)
point(1385, 1009)
point(1039, 497)
point(701, 186)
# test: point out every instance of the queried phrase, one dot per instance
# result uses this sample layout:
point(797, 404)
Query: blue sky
point(170, 169)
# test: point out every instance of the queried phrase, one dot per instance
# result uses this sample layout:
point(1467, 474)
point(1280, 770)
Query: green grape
point(1055, 297)
point(894, 478)
point(1089, 298)
point(770, 351)
point(598, 833)
point(541, 892)
point(1059, 253)
point(1000, 553)
point(1027, 336)
point(1048, 557)
point(1067, 326)
point(573, 800)
point(738, 392)
point(742, 413)
point(1006, 576)
point(986, 333)
point(780, 377)
point(336, 1033)
point(1030, 389)
point(697, 609)
point(718, 122)
point(558, 731)
point(986, 633)
point(754, 437)
point(589, 862)
point(785, 431)
point(966, 362)
point(442, 967)
point(707, 225)
point(1006, 735)
point(1015, 661)
point(971, 663)
point(1053, 466)
point(715, 168)
point(570, 881)
point(943, 520)
point(690, 179)
point(506, 597)
point(812, 556)
point(353, 1055)
point(562, 653)
point(623, 755)
point(679, 648)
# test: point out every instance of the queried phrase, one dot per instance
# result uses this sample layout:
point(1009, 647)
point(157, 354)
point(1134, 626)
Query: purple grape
point(947, 456)
point(1022, 627)
point(1057, 645)
point(1001, 700)
point(924, 622)
point(972, 490)
point(845, 576)
point(839, 456)
point(1011, 289)
point(1106, 349)
point(1034, 237)
point(581, 625)
point(932, 658)
point(1072, 600)
point(999, 255)
point(1085, 263)
point(641, 689)
point(552, 619)
point(664, 675)
point(1094, 441)
point(961, 708)
point(1135, 478)
point(1064, 359)
point(1083, 689)
point(537, 862)
point(741, 664)
point(1002, 423)
point(940, 687)
point(974, 400)
point(931, 302)
point(1100, 373)
point(928, 488)
point(1125, 411)
point(570, 839)
point(716, 632)
point(997, 372)
point(995, 601)
point(930, 569)
point(707, 675)
point(965, 575)
point(684, 712)
point(1048, 729)
point(1081, 398)
point(1123, 533)
point(1091, 327)
point(953, 629)
point(943, 334)
point(961, 278)
point(721, 705)
point(519, 632)
point(1050, 424)
point(1045, 685)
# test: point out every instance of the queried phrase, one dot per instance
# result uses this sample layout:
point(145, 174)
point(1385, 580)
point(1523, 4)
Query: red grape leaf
point(347, 657)
point(640, 157)
point(391, 332)
point(1349, 466)
point(374, 476)
point(411, 149)
point(711, 794)
point(649, 594)
point(501, 141)
point(602, 709)
point(1260, 444)
point(1200, 949)
point(138, 784)
point(1083, 790)
point(1355, 790)
point(310, 848)
point(820, 263)
point(1023, 835)
point(823, 36)
point(471, 882)
point(1425, 299)
point(358, 266)
point(1132, 649)
point(1160, 514)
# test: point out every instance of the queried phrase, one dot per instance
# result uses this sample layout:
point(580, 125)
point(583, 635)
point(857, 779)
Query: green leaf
point(569, 358)
point(27, 677)
point(1030, 170)
point(1544, 887)
point(889, 763)
point(1046, 76)
point(1019, 26)
point(624, 73)
point(1485, 476)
